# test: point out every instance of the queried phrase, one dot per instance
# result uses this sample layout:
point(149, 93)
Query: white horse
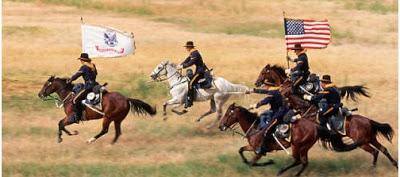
point(218, 94)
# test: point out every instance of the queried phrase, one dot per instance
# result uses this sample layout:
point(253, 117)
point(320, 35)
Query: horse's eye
point(49, 84)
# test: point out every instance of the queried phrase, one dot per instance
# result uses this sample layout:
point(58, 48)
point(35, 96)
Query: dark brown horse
point(304, 135)
point(362, 130)
point(275, 74)
point(115, 107)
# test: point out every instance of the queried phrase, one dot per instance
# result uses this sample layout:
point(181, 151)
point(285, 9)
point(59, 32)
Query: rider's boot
point(77, 115)
point(189, 98)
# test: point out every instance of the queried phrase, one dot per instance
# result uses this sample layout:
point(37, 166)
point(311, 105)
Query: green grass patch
point(219, 165)
point(123, 6)
point(13, 132)
point(253, 28)
point(374, 6)
point(26, 103)
point(24, 30)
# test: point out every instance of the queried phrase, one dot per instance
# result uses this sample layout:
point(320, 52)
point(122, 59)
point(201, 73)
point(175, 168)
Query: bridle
point(233, 126)
point(58, 102)
point(159, 78)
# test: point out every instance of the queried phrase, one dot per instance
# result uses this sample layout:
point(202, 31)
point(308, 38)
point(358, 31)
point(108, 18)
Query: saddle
point(337, 122)
point(204, 83)
point(93, 99)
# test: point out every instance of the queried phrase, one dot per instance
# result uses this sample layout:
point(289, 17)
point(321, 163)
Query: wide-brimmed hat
point(297, 47)
point(189, 44)
point(84, 57)
point(326, 78)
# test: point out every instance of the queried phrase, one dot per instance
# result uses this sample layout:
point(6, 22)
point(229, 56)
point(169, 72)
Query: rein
point(58, 102)
point(233, 129)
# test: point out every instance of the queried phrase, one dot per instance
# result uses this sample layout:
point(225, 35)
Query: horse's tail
point(383, 129)
point(140, 107)
point(230, 88)
point(353, 91)
point(332, 140)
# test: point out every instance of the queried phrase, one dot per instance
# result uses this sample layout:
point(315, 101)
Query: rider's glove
point(249, 91)
point(287, 71)
point(68, 81)
point(307, 97)
point(179, 67)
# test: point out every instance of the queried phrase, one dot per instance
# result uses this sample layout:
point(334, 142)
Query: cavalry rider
point(299, 73)
point(194, 58)
point(276, 112)
point(89, 72)
point(328, 100)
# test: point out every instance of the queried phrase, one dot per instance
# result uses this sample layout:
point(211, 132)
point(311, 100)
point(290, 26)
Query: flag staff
point(287, 52)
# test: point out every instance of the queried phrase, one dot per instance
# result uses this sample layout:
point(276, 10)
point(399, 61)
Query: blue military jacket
point(301, 63)
point(88, 74)
point(195, 59)
point(274, 98)
point(330, 93)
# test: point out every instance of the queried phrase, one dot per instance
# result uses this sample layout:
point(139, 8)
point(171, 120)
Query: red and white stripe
point(317, 35)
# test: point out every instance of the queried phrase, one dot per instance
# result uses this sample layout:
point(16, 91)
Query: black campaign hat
point(297, 47)
point(189, 44)
point(84, 57)
point(326, 78)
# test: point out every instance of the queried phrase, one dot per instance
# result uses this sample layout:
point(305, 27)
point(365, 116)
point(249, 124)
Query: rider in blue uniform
point(88, 72)
point(328, 100)
point(299, 73)
point(278, 109)
point(194, 58)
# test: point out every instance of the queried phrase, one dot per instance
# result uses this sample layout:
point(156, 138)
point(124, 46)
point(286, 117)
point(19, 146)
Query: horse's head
point(51, 85)
point(231, 117)
point(160, 70)
point(271, 74)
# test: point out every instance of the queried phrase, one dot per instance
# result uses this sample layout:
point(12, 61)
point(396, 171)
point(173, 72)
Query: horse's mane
point(63, 81)
point(172, 64)
point(247, 113)
point(279, 69)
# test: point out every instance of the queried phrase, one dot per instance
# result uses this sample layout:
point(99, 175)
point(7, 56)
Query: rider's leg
point(192, 91)
point(77, 106)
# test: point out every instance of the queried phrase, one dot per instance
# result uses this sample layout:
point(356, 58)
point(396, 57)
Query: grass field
point(42, 37)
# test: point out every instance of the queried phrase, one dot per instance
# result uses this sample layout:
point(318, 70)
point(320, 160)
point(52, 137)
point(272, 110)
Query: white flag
point(98, 41)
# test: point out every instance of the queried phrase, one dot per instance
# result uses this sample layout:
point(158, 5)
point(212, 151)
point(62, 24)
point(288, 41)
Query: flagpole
point(287, 52)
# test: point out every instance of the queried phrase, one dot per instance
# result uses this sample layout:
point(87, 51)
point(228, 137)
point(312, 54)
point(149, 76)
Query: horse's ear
point(51, 78)
point(267, 66)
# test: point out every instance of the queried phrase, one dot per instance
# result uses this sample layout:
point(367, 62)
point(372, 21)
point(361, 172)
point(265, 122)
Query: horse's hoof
point(59, 140)
point(91, 140)
point(165, 118)
point(198, 120)
point(75, 132)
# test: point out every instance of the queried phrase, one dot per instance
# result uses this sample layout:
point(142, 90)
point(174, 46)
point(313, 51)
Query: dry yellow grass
point(41, 39)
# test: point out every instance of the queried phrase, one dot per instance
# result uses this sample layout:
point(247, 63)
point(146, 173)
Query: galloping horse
point(304, 135)
point(115, 107)
point(178, 86)
point(361, 129)
point(276, 75)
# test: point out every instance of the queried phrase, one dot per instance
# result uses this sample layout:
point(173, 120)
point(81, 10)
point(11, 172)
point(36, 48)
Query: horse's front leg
point(61, 127)
point(242, 149)
point(104, 130)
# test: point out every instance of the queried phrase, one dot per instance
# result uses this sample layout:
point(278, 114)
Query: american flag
point(309, 33)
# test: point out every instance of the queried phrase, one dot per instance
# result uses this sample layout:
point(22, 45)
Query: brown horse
point(115, 107)
point(304, 135)
point(361, 129)
point(276, 75)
